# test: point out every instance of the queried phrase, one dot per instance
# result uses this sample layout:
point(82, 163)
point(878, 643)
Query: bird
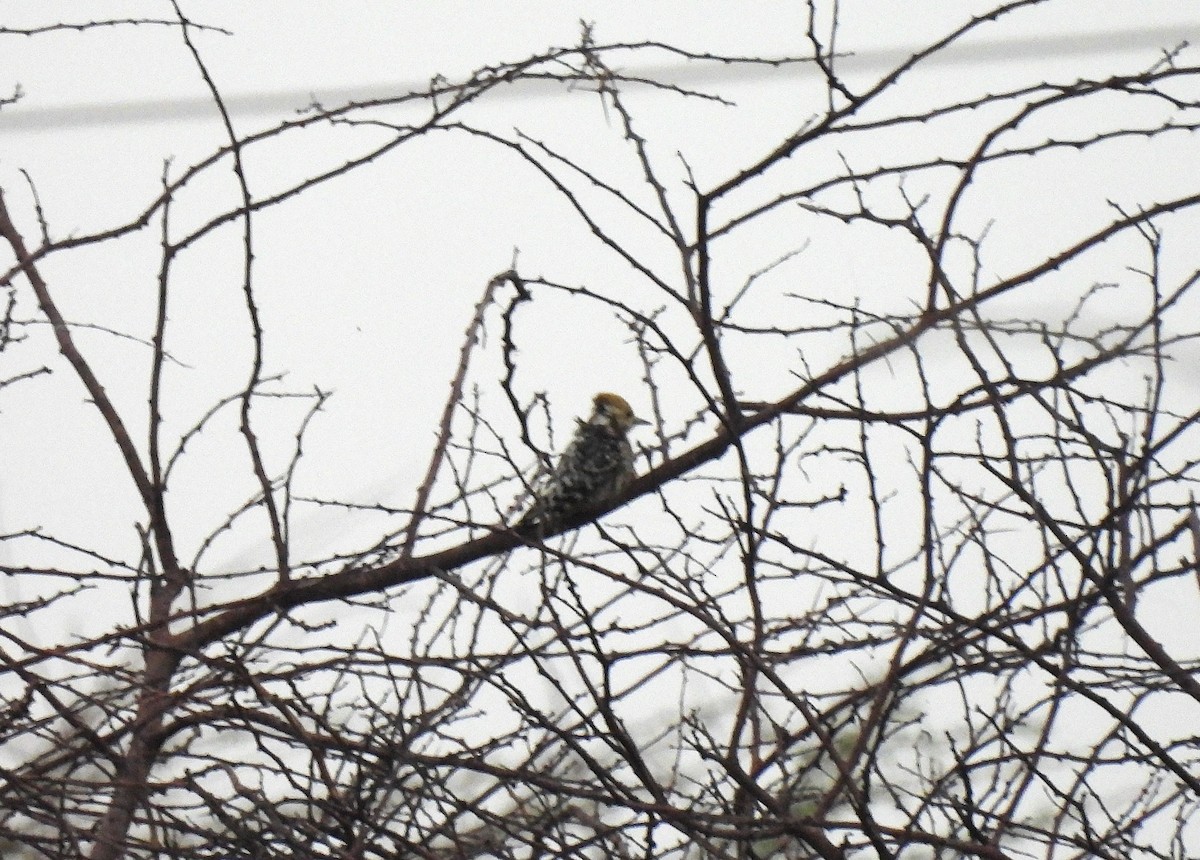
point(595, 467)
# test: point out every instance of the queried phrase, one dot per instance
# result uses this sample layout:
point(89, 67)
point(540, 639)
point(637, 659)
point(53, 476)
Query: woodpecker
point(596, 466)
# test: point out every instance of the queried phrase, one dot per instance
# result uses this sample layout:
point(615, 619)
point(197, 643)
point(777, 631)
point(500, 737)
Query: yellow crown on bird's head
point(617, 409)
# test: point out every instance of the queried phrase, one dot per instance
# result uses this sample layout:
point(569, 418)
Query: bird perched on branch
point(596, 466)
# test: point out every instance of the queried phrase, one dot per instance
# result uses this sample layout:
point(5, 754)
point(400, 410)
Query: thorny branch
point(888, 579)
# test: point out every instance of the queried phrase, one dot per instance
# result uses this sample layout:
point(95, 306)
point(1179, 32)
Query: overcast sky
point(367, 283)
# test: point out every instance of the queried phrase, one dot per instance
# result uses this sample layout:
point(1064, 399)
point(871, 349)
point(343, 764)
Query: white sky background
point(367, 283)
